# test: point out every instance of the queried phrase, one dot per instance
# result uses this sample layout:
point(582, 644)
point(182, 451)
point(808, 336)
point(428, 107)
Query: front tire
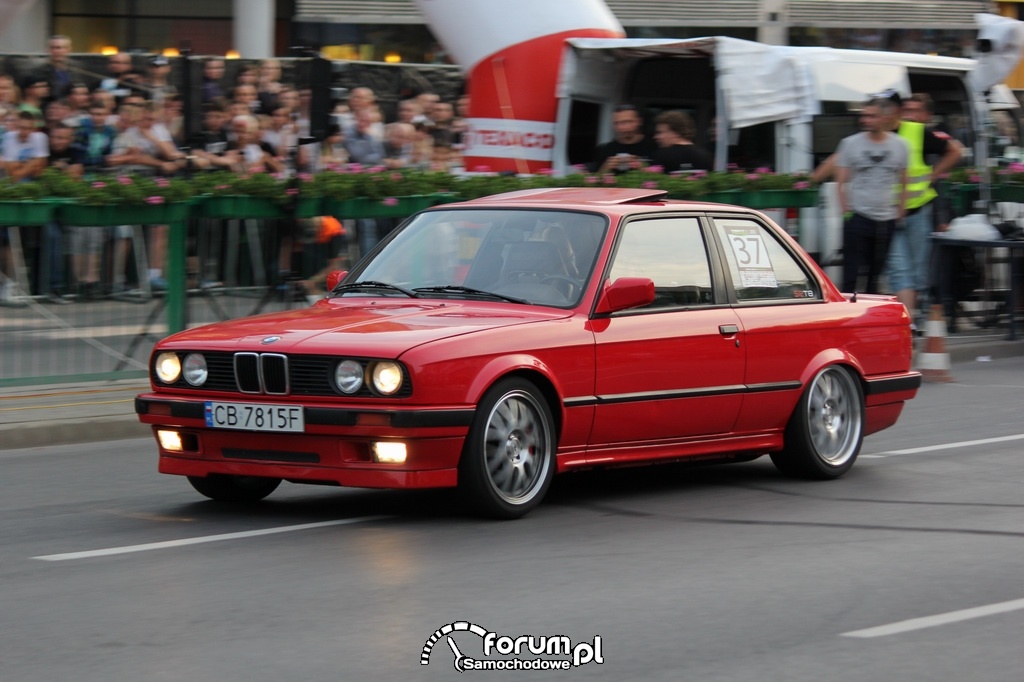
point(509, 458)
point(234, 489)
point(826, 429)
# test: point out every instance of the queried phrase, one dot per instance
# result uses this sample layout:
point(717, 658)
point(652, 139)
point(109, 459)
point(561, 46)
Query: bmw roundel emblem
point(270, 339)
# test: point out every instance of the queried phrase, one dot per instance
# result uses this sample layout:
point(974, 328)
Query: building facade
point(394, 30)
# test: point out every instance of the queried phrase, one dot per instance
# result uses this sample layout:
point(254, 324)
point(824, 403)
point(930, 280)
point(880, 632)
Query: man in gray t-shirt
point(871, 177)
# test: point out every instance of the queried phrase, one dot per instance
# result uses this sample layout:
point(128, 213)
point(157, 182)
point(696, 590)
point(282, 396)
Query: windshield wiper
point(455, 289)
point(371, 284)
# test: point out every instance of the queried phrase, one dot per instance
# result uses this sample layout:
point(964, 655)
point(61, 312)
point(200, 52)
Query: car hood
point(370, 327)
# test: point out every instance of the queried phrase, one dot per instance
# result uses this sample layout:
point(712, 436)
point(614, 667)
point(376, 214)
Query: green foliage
point(120, 190)
point(11, 190)
point(225, 183)
point(380, 184)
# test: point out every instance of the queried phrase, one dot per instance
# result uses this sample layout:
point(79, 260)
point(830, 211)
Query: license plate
point(255, 417)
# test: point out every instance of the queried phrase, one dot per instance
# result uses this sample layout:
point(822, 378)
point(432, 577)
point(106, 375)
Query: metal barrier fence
point(216, 270)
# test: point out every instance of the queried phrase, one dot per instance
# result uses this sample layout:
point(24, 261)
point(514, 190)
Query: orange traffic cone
point(934, 361)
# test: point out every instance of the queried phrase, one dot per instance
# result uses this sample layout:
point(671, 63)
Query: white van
point(755, 105)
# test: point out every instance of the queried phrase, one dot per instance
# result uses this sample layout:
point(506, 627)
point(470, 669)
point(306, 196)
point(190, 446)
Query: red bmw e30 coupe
point(491, 344)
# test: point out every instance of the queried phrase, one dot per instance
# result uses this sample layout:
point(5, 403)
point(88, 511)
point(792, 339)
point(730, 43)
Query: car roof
point(605, 199)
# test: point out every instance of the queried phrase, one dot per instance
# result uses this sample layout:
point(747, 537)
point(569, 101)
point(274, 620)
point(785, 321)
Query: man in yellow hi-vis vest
point(910, 249)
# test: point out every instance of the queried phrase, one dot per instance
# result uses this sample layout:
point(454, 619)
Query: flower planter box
point(239, 208)
point(729, 196)
point(362, 207)
point(120, 214)
point(26, 212)
point(779, 198)
point(309, 207)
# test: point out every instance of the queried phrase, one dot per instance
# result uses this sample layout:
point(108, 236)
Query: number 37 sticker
point(751, 256)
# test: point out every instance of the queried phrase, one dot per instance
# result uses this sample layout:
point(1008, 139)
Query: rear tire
point(509, 458)
point(826, 429)
point(234, 489)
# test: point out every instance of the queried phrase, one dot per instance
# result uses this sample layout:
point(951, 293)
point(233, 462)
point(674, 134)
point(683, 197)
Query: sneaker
point(158, 284)
point(56, 298)
point(8, 295)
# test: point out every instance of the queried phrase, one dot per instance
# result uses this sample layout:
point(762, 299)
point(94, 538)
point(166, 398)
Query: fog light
point(388, 452)
point(170, 440)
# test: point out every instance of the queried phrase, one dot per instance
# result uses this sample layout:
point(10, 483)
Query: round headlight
point(194, 369)
point(168, 367)
point(387, 377)
point(348, 376)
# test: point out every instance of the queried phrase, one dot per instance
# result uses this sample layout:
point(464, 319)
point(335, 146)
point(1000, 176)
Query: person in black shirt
point(62, 156)
point(209, 145)
point(629, 150)
point(674, 132)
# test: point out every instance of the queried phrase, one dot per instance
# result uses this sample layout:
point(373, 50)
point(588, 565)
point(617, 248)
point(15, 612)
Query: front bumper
point(334, 448)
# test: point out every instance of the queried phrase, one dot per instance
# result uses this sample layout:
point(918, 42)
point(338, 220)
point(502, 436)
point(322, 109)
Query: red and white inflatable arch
point(511, 51)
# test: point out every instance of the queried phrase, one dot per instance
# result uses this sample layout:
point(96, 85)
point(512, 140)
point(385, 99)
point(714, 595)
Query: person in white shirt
point(25, 153)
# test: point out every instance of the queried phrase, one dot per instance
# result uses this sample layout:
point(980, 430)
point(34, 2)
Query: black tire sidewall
point(800, 457)
point(474, 482)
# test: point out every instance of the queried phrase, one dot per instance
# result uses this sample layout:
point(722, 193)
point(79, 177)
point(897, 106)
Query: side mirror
point(625, 293)
point(334, 277)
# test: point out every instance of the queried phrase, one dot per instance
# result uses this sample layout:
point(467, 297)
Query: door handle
point(728, 329)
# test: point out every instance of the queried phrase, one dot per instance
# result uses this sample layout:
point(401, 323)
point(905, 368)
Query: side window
point(671, 252)
point(761, 269)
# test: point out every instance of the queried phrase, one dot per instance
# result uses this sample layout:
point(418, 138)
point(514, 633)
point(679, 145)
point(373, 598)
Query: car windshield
point(526, 256)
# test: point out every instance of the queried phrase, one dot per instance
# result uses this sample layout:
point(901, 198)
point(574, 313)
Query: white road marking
point(110, 551)
point(940, 619)
point(947, 446)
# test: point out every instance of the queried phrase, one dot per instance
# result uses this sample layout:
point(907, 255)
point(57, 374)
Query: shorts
point(86, 240)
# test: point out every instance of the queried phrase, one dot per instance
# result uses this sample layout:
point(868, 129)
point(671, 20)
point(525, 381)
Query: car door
point(783, 314)
point(673, 369)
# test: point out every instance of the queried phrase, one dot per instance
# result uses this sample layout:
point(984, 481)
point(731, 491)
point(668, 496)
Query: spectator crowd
point(132, 121)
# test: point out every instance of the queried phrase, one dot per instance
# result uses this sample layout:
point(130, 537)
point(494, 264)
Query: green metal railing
point(110, 336)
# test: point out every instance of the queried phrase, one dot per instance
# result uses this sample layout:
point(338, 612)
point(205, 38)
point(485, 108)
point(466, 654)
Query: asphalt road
point(909, 568)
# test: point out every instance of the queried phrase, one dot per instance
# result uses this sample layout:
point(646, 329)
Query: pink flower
point(546, 171)
point(278, 176)
point(608, 179)
point(154, 200)
point(305, 177)
point(732, 167)
point(378, 169)
point(162, 182)
point(650, 184)
point(355, 167)
point(124, 180)
point(591, 180)
point(802, 184)
point(222, 187)
point(396, 176)
point(764, 170)
point(292, 191)
point(579, 168)
point(390, 201)
point(753, 176)
point(655, 169)
point(99, 185)
point(1016, 167)
point(975, 178)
